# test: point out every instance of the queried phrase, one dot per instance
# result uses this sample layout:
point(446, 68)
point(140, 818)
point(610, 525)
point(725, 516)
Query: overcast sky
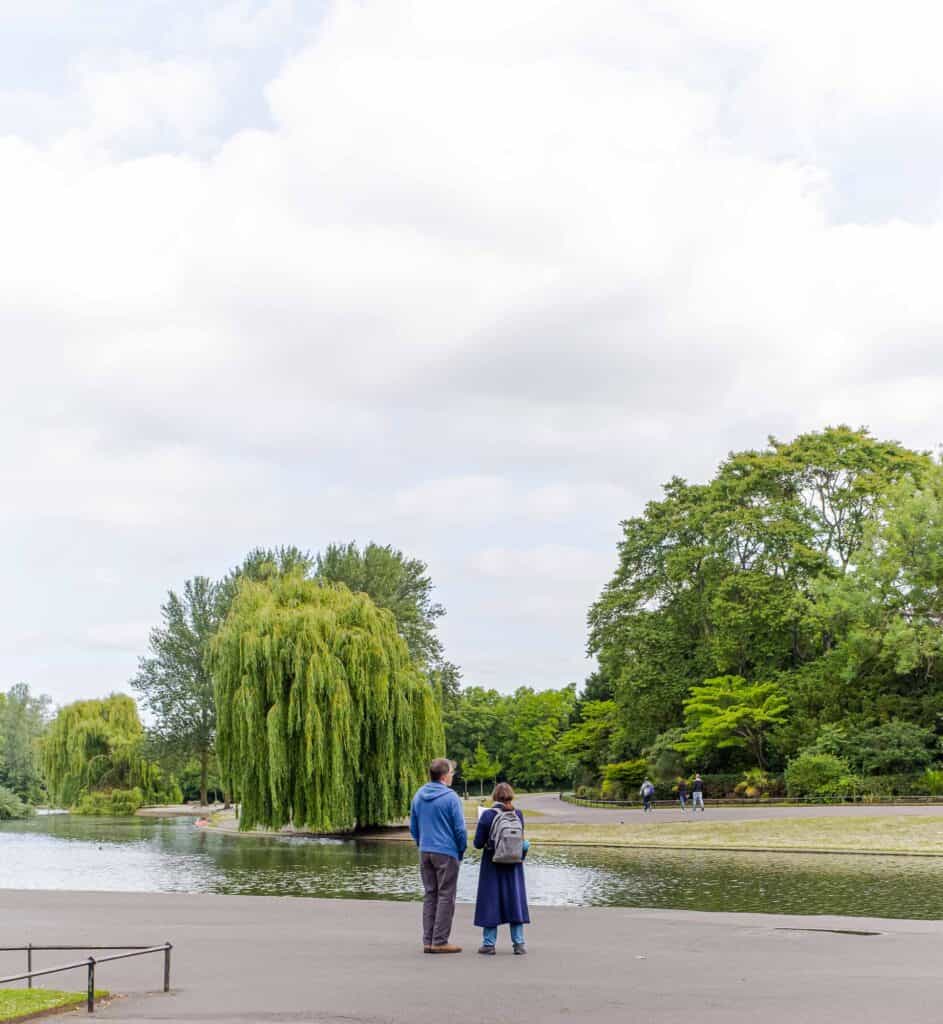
point(472, 279)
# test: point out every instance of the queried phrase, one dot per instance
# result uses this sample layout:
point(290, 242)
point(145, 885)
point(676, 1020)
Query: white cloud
point(472, 281)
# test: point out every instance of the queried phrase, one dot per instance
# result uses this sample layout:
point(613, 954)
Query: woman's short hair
point(503, 794)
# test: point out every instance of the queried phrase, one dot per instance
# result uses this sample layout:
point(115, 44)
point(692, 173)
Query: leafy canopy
point(728, 711)
point(98, 745)
point(324, 720)
point(23, 719)
point(174, 680)
point(482, 767)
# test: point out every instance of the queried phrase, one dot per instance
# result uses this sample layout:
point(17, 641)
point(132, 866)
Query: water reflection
point(171, 855)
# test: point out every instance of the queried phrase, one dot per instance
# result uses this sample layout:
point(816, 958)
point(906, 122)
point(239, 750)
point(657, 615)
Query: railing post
point(91, 984)
point(29, 965)
point(167, 950)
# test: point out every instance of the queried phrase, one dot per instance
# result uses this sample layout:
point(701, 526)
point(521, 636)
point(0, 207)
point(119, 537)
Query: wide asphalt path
point(261, 959)
point(553, 810)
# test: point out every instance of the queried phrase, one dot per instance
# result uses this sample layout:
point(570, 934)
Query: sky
point(473, 280)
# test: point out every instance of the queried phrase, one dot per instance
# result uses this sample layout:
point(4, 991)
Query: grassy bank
point(20, 1003)
point(888, 835)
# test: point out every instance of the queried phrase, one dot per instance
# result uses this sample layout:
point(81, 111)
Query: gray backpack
point(507, 838)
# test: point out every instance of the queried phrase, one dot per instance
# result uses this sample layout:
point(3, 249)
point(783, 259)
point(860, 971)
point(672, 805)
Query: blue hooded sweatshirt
point(437, 822)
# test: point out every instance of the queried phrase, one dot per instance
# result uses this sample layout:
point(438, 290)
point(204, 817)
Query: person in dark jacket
point(683, 793)
point(437, 824)
point(502, 895)
point(697, 794)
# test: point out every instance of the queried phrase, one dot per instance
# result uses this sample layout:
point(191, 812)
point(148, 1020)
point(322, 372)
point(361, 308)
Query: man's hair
point(439, 768)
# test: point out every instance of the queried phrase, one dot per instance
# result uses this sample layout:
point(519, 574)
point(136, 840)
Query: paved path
point(555, 810)
point(261, 959)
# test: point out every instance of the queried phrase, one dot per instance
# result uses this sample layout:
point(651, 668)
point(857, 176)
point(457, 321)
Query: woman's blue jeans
point(490, 935)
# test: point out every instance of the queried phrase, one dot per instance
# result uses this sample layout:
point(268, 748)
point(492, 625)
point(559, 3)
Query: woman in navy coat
point(502, 896)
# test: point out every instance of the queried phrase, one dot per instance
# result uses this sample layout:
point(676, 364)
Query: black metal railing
point(745, 801)
point(89, 964)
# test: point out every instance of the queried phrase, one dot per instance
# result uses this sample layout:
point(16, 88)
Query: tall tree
point(324, 719)
point(23, 718)
point(173, 679)
point(721, 578)
point(590, 743)
point(97, 746)
point(481, 767)
point(259, 565)
point(536, 721)
point(887, 616)
point(476, 716)
point(392, 581)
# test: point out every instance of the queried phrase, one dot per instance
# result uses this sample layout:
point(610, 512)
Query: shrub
point(11, 806)
point(820, 775)
point(933, 781)
point(117, 803)
point(893, 747)
point(623, 778)
point(756, 783)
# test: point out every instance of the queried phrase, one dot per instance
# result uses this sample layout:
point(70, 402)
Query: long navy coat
point(502, 896)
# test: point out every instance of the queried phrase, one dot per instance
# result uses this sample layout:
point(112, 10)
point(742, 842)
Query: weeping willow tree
point(323, 720)
point(96, 746)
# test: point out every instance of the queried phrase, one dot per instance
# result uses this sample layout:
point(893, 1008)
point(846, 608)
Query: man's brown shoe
point(427, 949)
point(447, 948)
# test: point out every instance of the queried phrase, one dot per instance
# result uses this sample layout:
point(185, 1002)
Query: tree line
point(359, 695)
point(782, 620)
point(779, 624)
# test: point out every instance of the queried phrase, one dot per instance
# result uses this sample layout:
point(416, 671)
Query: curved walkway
point(553, 810)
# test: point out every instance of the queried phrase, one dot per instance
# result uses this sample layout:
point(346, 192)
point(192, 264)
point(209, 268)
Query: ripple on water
point(171, 855)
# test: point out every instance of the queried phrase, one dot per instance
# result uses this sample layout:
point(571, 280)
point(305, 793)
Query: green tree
point(476, 716)
point(324, 720)
point(725, 578)
point(730, 712)
point(260, 565)
point(97, 746)
point(482, 766)
point(887, 616)
point(535, 722)
point(588, 744)
point(174, 680)
point(23, 719)
point(396, 582)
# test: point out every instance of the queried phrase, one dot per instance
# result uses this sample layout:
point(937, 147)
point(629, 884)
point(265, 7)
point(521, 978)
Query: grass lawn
point(16, 1003)
point(915, 835)
point(472, 804)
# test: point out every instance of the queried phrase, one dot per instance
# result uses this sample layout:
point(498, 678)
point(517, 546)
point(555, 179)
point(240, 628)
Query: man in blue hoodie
point(437, 823)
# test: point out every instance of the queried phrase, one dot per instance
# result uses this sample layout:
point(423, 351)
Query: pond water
point(172, 855)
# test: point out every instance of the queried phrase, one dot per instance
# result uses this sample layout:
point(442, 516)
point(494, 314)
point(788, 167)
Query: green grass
point(16, 1003)
point(470, 807)
point(900, 835)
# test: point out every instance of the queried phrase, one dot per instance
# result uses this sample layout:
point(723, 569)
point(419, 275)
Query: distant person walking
point(682, 793)
point(647, 792)
point(502, 895)
point(437, 824)
point(697, 794)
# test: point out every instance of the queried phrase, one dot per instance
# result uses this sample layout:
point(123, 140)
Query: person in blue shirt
point(437, 824)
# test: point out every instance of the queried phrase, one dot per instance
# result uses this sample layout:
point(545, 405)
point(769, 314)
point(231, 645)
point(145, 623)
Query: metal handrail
point(89, 964)
point(773, 801)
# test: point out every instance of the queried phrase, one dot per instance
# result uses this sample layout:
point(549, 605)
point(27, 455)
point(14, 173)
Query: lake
point(172, 855)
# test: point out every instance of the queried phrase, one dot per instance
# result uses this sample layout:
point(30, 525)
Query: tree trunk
point(204, 771)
